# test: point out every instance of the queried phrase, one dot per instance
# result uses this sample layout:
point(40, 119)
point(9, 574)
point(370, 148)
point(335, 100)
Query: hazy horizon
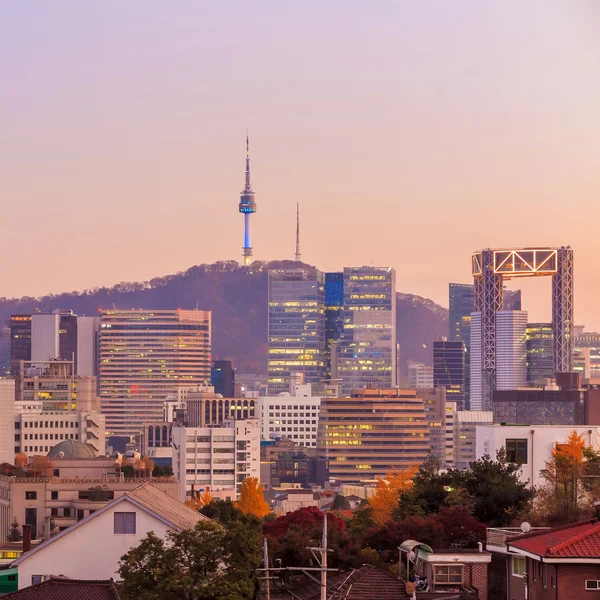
point(411, 134)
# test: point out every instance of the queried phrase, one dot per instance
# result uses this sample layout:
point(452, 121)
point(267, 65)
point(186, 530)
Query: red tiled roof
point(578, 540)
point(57, 588)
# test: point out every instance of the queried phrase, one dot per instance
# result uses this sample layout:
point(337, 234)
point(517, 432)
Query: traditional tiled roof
point(58, 588)
point(167, 507)
point(577, 540)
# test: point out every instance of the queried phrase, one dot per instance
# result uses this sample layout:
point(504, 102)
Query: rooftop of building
point(576, 540)
point(60, 588)
point(71, 449)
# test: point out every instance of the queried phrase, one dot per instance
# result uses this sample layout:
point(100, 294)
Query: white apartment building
point(466, 423)
point(7, 419)
point(37, 432)
point(293, 416)
point(420, 375)
point(530, 445)
point(511, 349)
point(216, 458)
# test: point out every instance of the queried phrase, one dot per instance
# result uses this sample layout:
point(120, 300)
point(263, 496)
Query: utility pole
point(266, 566)
point(324, 560)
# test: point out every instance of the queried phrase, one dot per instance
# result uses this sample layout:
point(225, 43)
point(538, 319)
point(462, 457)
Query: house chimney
point(26, 538)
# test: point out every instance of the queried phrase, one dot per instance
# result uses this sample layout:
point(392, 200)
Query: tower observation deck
point(247, 207)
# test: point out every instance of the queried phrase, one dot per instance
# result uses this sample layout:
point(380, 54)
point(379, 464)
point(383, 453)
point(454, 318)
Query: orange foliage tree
point(200, 500)
point(387, 493)
point(21, 460)
point(565, 473)
point(252, 500)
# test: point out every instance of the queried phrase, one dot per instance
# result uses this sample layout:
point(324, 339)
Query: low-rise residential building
point(216, 458)
point(294, 416)
point(92, 547)
point(450, 424)
point(529, 445)
point(562, 563)
point(292, 500)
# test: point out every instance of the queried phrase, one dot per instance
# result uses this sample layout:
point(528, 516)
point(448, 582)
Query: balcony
point(497, 537)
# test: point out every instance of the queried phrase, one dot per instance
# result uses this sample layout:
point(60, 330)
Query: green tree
point(340, 503)
point(14, 533)
point(499, 495)
point(209, 562)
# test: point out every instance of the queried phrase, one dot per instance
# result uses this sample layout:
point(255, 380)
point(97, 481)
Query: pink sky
point(411, 133)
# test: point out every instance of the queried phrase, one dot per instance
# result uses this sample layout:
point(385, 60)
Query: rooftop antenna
point(297, 232)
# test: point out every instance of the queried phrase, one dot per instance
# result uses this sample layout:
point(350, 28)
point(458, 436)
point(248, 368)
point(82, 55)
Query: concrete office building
point(7, 421)
point(540, 351)
point(216, 458)
point(449, 369)
point(529, 445)
point(37, 432)
point(511, 349)
point(450, 425)
point(367, 351)
point(466, 423)
point(434, 400)
point(372, 433)
point(420, 375)
point(87, 346)
point(145, 356)
point(296, 334)
point(294, 416)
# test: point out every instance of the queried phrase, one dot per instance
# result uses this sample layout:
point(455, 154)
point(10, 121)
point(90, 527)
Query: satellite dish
point(525, 527)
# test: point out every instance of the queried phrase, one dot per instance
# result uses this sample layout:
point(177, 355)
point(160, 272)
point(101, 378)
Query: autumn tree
point(14, 533)
point(252, 500)
point(388, 493)
point(200, 500)
point(21, 460)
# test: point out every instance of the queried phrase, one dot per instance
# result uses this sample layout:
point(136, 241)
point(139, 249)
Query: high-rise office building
point(367, 347)
point(461, 307)
point(449, 369)
point(222, 377)
point(87, 346)
point(145, 356)
point(20, 341)
point(334, 308)
point(540, 351)
point(511, 349)
point(54, 336)
point(296, 327)
point(4, 351)
point(372, 433)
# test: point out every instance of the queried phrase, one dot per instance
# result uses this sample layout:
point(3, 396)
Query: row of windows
point(36, 424)
point(58, 436)
point(314, 414)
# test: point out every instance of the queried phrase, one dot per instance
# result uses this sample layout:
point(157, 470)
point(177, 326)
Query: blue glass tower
point(247, 207)
point(334, 320)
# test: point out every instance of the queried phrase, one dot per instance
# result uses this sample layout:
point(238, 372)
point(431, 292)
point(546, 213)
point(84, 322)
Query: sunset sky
point(411, 133)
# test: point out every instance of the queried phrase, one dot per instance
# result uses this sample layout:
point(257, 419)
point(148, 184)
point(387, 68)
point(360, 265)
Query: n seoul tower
point(247, 207)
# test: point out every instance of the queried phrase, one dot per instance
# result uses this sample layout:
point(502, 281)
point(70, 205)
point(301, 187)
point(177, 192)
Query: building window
point(592, 584)
point(124, 522)
point(30, 495)
point(519, 565)
point(448, 574)
point(35, 579)
point(516, 451)
point(54, 495)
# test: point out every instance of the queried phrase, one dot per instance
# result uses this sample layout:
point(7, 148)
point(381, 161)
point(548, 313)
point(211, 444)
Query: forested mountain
point(237, 297)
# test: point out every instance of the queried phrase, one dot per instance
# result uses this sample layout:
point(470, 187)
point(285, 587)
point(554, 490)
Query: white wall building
point(7, 420)
point(87, 346)
point(37, 432)
point(216, 458)
point(420, 375)
point(293, 416)
point(511, 349)
point(466, 423)
point(45, 341)
point(91, 548)
point(530, 445)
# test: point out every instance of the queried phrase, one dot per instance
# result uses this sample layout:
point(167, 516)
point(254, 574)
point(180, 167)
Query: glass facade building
point(461, 306)
point(449, 369)
point(296, 327)
point(145, 356)
point(540, 351)
point(367, 346)
point(334, 306)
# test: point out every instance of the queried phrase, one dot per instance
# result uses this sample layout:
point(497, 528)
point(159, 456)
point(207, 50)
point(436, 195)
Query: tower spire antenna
point(297, 232)
point(247, 207)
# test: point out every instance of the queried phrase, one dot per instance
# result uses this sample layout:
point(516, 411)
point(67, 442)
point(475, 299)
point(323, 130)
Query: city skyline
point(106, 141)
